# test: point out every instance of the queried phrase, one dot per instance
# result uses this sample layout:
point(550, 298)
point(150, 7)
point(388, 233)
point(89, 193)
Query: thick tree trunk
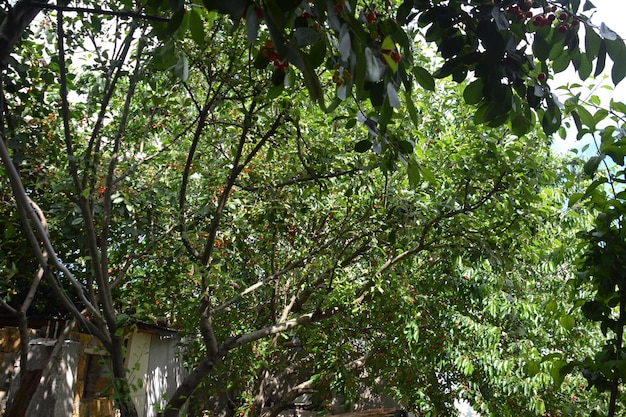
point(120, 383)
point(188, 386)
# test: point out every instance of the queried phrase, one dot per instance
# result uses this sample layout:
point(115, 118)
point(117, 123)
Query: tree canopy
point(369, 182)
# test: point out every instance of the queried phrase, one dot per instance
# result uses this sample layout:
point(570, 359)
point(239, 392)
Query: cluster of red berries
point(268, 51)
point(394, 55)
point(520, 14)
point(340, 76)
point(547, 18)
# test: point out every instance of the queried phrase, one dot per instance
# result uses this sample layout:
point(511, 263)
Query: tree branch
point(13, 26)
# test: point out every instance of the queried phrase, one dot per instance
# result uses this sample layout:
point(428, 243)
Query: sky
point(612, 13)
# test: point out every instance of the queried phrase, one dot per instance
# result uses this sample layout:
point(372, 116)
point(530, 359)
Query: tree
point(118, 148)
point(469, 306)
point(599, 283)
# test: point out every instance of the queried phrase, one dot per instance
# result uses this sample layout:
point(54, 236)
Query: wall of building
point(79, 384)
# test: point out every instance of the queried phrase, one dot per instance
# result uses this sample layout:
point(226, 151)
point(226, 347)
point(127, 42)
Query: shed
point(79, 385)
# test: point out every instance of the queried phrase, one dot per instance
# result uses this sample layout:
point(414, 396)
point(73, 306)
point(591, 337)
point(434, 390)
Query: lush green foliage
point(600, 276)
point(406, 237)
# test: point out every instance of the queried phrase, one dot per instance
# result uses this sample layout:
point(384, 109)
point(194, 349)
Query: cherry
point(542, 76)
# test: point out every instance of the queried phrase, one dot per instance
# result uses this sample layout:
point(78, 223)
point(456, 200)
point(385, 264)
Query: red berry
point(563, 16)
point(551, 17)
point(575, 22)
point(538, 21)
point(306, 15)
point(542, 76)
point(562, 29)
point(529, 14)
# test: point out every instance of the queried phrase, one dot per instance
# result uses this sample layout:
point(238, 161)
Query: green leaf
point(413, 172)
point(275, 90)
point(567, 322)
point(520, 125)
point(601, 61)
point(390, 62)
point(592, 42)
point(317, 53)
point(492, 112)
point(175, 21)
point(405, 147)
point(586, 118)
point(575, 198)
point(617, 52)
point(388, 44)
point(555, 372)
point(600, 115)
point(594, 185)
point(410, 106)
point(618, 106)
point(165, 56)
point(541, 49)
point(473, 93)
point(428, 175)
point(306, 36)
point(181, 68)
point(595, 310)
point(196, 27)
point(532, 368)
point(363, 145)
point(261, 61)
point(588, 6)
point(561, 63)
point(585, 67)
point(424, 78)
point(591, 166)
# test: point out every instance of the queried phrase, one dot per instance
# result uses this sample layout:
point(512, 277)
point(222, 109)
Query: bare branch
point(291, 266)
point(305, 319)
